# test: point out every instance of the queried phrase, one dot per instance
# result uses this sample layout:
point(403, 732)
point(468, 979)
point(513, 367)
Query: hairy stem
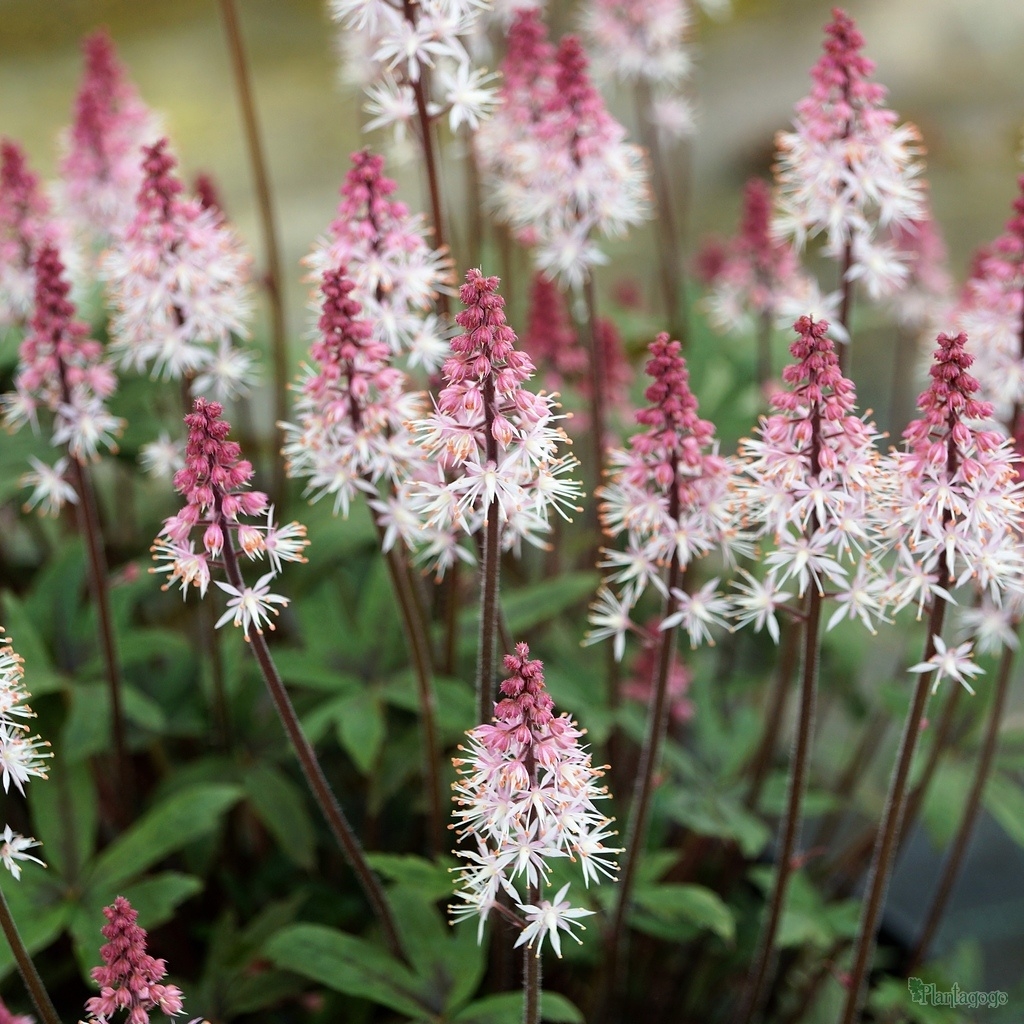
point(762, 759)
point(429, 153)
point(419, 648)
point(531, 975)
point(845, 307)
point(491, 569)
point(650, 756)
point(34, 984)
point(789, 831)
point(669, 261)
point(272, 252)
point(317, 781)
point(598, 375)
point(955, 857)
point(889, 828)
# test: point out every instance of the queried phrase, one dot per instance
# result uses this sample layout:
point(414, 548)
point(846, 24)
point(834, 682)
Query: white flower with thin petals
point(50, 488)
point(609, 617)
point(950, 663)
point(251, 607)
point(12, 849)
point(756, 603)
point(698, 612)
point(549, 917)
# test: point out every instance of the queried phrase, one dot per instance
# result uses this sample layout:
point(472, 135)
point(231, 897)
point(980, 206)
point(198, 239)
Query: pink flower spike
point(62, 369)
point(214, 483)
point(24, 226)
point(6, 1017)
point(848, 170)
point(526, 794)
point(101, 168)
point(178, 280)
point(383, 250)
point(130, 979)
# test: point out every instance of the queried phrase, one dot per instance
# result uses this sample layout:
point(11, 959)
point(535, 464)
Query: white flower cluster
point(526, 795)
point(391, 46)
point(22, 757)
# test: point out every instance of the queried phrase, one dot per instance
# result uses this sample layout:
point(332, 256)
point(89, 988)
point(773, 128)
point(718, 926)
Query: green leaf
point(689, 905)
point(538, 603)
point(40, 675)
point(507, 1008)
point(281, 806)
point(64, 816)
point(1005, 802)
point(183, 817)
point(37, 910)
point(714, 814)
point(87, 726)
point(434, 881)
point(945, 800)
point(347, 964)
point(157, 897)
point(300, 668)
point(361, 729)
point(143, 710)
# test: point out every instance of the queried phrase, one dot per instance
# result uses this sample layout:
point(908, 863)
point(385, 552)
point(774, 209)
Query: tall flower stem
point(598, 374)
point(972, 808)
point(761, 761)
point(430, 161)
point(272, 252)
point(864, 752)
point(87, 515)
point(789, 831)
point(531, 975)
point(846, 306)
point(848, 862)
point(491, 570)
point(650, 756)
point(669, 260)
point(889, 829)
point(27, 969)
point(419, 648)
point(314, 774)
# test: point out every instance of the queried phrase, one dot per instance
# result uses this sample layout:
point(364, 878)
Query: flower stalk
point(27, 969)
point(972, 808)
point(272, 252)
point(315, 778)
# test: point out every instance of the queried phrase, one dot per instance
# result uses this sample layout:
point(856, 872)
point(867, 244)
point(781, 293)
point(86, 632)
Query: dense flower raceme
point(130, 979)
point(24, 225)
point(63, 370)
point(810, 481)
point(214, 484)
point(351, 434)
point(677, 452)
point(178, 282)
point(525, 796)
point(6, 1017)
point(647, 41)
point(395, 43)
point(556, 164)
point(489, 437)
point(384, 250)
point(956, 513)
point(101, 169)
point(847, 171)
point(991, 312)
point(22, 756)
point(555, 347)
point(753, 275)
